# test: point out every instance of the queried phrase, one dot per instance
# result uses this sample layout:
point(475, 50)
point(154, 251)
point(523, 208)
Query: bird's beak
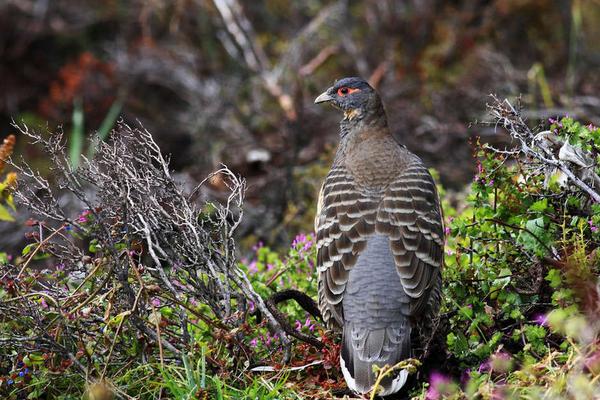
point(323, 97)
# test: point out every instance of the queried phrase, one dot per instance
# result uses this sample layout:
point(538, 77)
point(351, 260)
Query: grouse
point(380, 243)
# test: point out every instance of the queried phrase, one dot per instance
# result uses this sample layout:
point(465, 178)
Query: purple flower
point(270, 267)
point(252, 268)
point(298, 325)
point(307, 322)
point(447, 230)
point(43, 302)
point(465, 376)
point(254, 342)
point(251, 306)
point(593, 227)
point(484, 367)
point(257, 246)
point(155, 302)
point(299, 239)
point(541, 319)
point(307, 245)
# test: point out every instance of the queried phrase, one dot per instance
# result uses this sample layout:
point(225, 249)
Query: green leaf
point(535, 238)
point(76, 139)
point(5, 215)
point(27, 249)
point(554, 278)
point(539, 206)
point(107, 124)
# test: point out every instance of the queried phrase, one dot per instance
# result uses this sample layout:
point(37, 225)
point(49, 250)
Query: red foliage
point(86, 78)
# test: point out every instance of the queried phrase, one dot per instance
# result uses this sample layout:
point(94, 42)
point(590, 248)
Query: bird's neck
point(360, 119)
point(368, 151)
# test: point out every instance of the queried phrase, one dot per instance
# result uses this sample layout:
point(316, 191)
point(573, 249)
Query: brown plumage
point(380, 242)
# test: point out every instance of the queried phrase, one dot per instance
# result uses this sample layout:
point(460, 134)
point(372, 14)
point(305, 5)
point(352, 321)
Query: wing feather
point(407, 212)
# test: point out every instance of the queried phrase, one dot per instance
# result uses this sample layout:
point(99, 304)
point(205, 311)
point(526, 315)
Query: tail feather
point(362, 348)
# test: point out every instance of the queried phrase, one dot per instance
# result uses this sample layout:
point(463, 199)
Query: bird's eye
point(346, 90)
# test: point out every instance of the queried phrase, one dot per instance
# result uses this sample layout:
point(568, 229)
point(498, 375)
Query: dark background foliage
point(233, 82)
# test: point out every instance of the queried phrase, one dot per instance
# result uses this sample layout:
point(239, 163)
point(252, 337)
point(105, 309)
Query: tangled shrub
point(521, 272)
point(141, 276)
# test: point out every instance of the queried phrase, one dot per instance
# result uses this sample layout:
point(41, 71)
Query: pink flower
point(254, 342)
point(501, 362)
point(438, 386)
point(298, 325)
point(155, 302)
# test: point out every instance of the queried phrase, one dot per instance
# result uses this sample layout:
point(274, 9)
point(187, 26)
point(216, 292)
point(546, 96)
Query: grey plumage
point(375, 309)
point(380, 243)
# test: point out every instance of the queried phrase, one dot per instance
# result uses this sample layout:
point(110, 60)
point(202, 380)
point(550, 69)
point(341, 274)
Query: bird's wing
point(408, 212)
point(410, 215)
point(345, 218)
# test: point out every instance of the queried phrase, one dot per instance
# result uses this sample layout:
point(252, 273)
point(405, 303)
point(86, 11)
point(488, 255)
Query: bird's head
point(354, 96)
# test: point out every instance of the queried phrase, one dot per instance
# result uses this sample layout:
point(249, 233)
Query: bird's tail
point(364, 347)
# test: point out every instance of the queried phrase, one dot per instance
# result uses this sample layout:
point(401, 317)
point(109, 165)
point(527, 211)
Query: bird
point(380, 243)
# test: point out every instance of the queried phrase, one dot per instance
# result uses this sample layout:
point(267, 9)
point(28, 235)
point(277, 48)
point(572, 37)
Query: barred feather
point(407, 212)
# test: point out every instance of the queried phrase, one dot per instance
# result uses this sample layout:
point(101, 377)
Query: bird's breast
point(374, 162)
